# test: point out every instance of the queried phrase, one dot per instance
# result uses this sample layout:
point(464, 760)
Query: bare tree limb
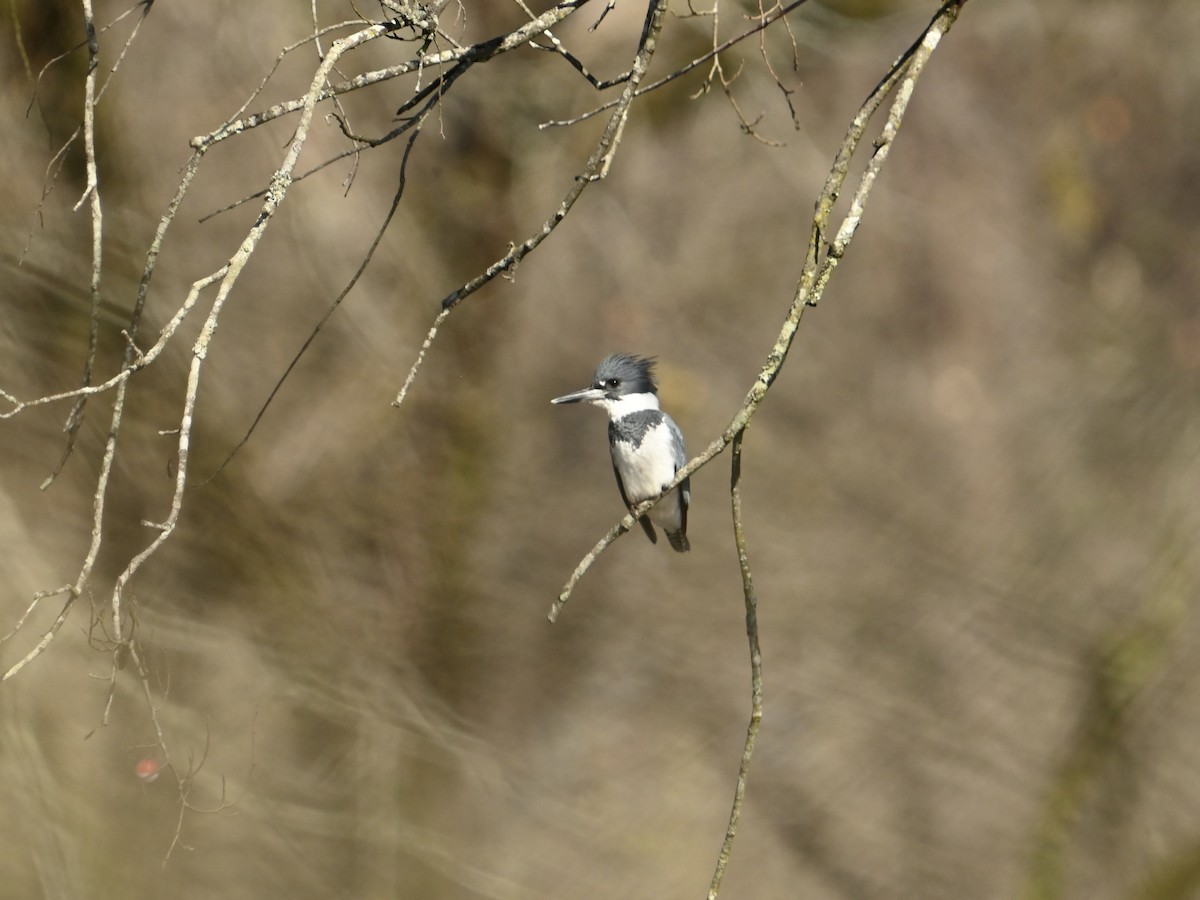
point(756, 680)
point(475, 53)
point(764, 22)
point(280, 182)
point(595, 169)
point(370, 254)
point(92, 192)
point(817, 268)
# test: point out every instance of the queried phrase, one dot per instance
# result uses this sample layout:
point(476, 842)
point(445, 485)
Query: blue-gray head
point(622, 382)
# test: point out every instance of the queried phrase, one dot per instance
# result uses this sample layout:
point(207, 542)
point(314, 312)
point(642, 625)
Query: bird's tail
point(679, 541)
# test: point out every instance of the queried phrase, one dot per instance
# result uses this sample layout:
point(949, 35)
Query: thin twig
point(89, 34)
point(756, 681)
point(370, 254)
point(758, 26)
point(133, 33)
point(717, 71)
point(92, 191)
point(92, 98)
point(557, 46)
point(595, 169)
point(135, 359)
point(55, 165)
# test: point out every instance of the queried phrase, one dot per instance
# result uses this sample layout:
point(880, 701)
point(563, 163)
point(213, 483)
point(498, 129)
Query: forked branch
point(819, 263)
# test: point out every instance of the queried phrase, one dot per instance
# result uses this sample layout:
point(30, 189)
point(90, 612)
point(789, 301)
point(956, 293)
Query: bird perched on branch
point(646, 444)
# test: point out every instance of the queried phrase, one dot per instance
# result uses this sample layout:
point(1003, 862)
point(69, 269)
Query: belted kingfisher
point(646, 444)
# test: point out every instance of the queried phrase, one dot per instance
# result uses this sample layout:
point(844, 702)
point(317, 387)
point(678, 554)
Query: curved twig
point(756, 682)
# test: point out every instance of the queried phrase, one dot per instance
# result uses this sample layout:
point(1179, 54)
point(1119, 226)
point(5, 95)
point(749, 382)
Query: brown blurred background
point(971, 498)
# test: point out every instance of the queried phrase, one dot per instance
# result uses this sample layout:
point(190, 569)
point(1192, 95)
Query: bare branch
point(280, 182)
point(595, 169)
point(475, 53)
point(816, 270)
point(403, 179)
point(48, 636)
point(556, 46)
point(756, 682)
point(92, 190)
point(770, 18)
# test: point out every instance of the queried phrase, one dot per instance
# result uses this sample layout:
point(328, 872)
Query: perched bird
point(646, 444)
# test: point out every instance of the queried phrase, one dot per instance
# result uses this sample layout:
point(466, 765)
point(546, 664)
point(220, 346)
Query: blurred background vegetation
point(971, 498)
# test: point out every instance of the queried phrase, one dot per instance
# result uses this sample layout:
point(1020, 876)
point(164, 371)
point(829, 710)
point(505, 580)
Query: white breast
point(646, 471)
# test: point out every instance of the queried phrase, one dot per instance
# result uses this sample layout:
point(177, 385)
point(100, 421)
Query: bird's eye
point(612, 382)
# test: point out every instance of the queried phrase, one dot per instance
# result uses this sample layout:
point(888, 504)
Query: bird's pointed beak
point(587, 395)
